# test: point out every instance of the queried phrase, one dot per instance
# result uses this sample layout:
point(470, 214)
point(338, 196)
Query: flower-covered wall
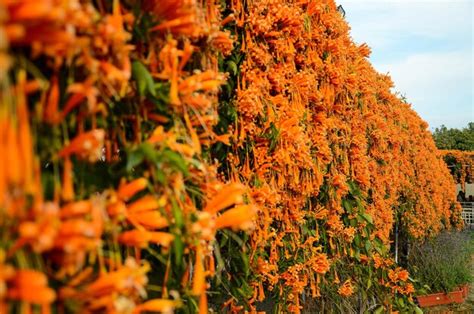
point(199, 155)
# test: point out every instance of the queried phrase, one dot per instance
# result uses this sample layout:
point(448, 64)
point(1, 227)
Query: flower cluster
point(318, 127)
point(461, 165)
point(106, 118)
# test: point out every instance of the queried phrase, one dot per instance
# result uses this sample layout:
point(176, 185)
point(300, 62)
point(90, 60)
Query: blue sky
point(427, 48)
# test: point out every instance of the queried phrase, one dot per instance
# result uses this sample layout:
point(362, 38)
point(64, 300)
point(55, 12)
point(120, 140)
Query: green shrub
point(442, 263)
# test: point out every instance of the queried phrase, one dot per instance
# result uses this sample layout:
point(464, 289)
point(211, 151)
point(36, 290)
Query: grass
point(443, 263)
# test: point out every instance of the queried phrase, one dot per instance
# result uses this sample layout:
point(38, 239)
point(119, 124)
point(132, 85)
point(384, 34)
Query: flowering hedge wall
point(190, 155)
point(461, 165)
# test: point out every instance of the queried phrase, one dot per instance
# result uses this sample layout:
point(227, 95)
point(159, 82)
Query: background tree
point(455, 139)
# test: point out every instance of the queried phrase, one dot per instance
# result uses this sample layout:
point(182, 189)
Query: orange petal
point(203, 308)
point(126, 191)
point(32, 294)
point(13, 168)
point(85, 145)
point(162, 238)
point(28, 229)
point(137, 238)
point(237, 217)
point(77, 227)
point(30, 10)
point(67, 191)
point(51, 113)
point(157, 305)
point(25, 140)
point(146, 203)
point(28, 277)
point(229, 195)
point(194, 136)
point(75, 209)
point(157, 136)
point(140, 238)
point(116, 209)
point(199, 278)
point(149, 219)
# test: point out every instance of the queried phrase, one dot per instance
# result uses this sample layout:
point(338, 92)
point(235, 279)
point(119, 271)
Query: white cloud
point(435, 72)
point(427, 47)
point(439, 85)
point(381, 23)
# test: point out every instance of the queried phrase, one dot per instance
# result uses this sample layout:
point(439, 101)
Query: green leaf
point(353, 188)
point(156, 255)
point(379, 310)
point(193, 306)
point(401, 302)
point(357, 254)
point(234, 236)
point(220, 262)
point(379, 250)
point(176, 160)
point(245, 263)
point(379, 246)
point(134, 158)
point(378, 243)
point(369, 283)
point(143, 78)
point(148, 151)
point(177, 214)
point(368, 246)
point(232, 67)
point(357, 239)
point(160, 176)
point(304, 229)
point(347, 205)
point(178, 247)
point(366, 217)
point(137, 155)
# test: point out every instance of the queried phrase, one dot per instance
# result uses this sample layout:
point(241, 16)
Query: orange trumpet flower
point(229, 195)
point(31, 286)
point(146, 203)
point(239, 217)
point(51, 111)
point(128, 277)
point(141, 238)
point(156, 305)
point(25, 139)
point(73, 209)
point(75, 227)
point(199, 277)
point(13, 169)
point(148, 219)
point(158, 135)
point(128, 190)
point(117, 209)
point(86, 145)
point(80, 92)
point(67, 191)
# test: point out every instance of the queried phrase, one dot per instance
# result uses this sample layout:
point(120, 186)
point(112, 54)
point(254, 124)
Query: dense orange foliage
point(89, 241)
point(112, 199)
point(337, 121)
point(461, 164)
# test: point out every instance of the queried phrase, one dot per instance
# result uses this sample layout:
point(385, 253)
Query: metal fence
point(468, 214)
